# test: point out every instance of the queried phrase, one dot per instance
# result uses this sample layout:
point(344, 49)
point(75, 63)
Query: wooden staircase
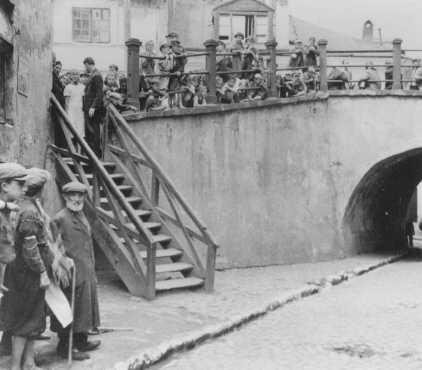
point(145, 228)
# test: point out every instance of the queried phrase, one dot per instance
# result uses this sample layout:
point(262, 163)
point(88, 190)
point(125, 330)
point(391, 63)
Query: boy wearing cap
point(23, 308)
point(73, 226)
point(178, 67)
point(12, 180)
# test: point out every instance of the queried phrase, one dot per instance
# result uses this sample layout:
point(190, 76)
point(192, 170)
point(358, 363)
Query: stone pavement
point(369, 323)
point(175, 315)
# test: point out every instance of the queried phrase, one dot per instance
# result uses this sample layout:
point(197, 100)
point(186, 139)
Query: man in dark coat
point(72, 224)
point(93, 106)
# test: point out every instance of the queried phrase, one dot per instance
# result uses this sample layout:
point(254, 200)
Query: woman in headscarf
point(23, 308)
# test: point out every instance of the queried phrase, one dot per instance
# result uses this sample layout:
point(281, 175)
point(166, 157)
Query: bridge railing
point(394, 58)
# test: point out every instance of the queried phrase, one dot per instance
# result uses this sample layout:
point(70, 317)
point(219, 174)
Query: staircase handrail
point(159, 172)
point(103, 173)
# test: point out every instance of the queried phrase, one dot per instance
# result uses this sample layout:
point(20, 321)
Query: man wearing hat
point(12, 180)
point(72, 224)
point(93, 106)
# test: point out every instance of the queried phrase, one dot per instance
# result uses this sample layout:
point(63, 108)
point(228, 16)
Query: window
point(91, 25)
point(255, 26)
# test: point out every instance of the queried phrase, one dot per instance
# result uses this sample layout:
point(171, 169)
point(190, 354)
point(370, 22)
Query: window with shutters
point(250, 25)
point(91, 25)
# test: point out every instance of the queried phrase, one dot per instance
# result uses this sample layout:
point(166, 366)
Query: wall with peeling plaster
point(24, 139)
point(273, 182)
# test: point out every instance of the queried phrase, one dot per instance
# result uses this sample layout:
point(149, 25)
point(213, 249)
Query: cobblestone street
point(372, 322)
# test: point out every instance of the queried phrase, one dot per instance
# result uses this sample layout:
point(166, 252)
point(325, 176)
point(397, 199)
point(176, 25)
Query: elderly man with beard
point(73, 226)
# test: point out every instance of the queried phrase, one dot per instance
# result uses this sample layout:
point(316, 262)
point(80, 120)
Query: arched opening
point(377, 212)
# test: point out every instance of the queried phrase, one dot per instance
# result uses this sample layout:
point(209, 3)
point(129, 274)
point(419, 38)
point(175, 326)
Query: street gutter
point(153, 355)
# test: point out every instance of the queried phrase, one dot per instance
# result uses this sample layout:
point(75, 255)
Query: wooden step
point(173, 267)
point(164, 253)
point(141, 213)
point(118, 178)
point(132, 200)
point(109, 166)
point(148, 225)
point(190, 282)
point(161, 238)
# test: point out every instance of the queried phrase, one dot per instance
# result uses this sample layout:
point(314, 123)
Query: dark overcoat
point(94, 93)
point(77, 242)
point(23, 307)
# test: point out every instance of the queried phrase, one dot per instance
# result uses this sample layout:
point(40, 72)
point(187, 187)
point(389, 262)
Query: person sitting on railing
point(188, 91)
point(219, 87)
point(224, 62)
point(310, 78)
point(178, 67)
point(416, 75)
point(243, 89)
point(156, 97)
point(165, 65)
point(388, 75)
point(311, 53)
point(284, 86)
point(201, 92)
point(297, 59)
point(337, 79)
point(231, 91)
point(250, 59)
point(237, 49)
point(298, 84)
point(372, 79)
point(259, 90)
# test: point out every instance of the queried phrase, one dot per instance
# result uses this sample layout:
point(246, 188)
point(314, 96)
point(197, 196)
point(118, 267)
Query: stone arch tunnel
point(378, 208)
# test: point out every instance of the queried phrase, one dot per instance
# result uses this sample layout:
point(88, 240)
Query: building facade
point(99, 28)
point(25, 80)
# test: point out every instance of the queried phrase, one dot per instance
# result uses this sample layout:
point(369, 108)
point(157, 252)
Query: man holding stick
point(72, 224)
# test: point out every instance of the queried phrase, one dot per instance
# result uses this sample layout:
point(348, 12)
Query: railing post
point(155, 190)
point(211, 65)
point(210, 272)
point(133, 46)
point(150, 283)
point(322, 47)
point(271, 45)
point(397, 64)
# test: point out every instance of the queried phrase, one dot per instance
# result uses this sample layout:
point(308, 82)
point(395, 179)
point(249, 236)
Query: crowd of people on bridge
point(243, 74)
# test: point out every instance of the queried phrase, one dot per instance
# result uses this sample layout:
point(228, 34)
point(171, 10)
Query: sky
point(396, 18)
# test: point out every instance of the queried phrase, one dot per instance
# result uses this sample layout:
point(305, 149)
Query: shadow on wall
point(377, 211)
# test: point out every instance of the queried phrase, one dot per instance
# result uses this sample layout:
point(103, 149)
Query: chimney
point(368, 31)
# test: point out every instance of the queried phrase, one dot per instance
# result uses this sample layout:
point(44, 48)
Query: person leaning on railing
point(372, 79)
point(417, 75)
point(258, 90)
point(224, 62)
point(337, 79)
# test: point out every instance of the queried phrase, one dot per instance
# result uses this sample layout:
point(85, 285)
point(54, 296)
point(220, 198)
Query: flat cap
point(37, 177)
point(12, 171)
point(89, 60)
point(74, 187)
point(239, 34)
point(172, 34)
